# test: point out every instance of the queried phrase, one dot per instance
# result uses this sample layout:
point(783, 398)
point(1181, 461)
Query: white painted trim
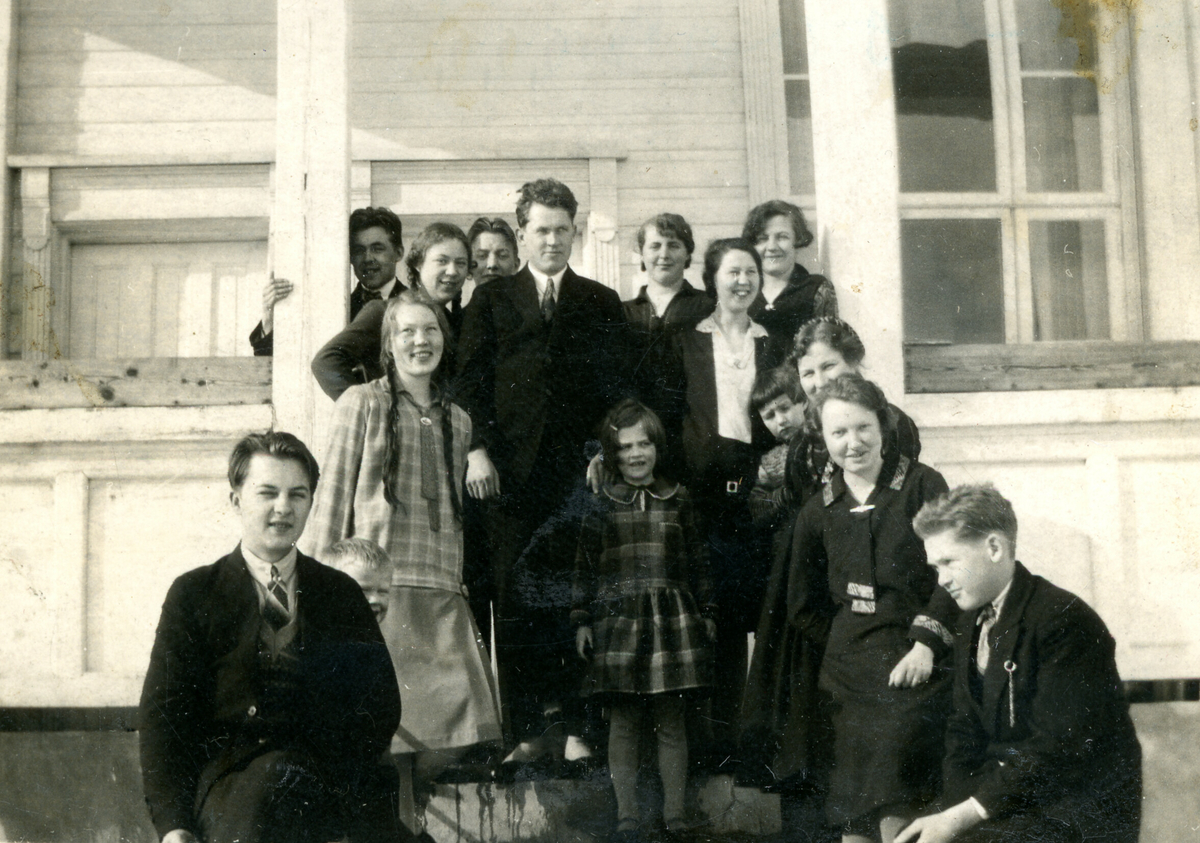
point(1076, 406)
point(765, 108)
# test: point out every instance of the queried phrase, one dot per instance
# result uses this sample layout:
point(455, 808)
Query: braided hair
point(391, 458)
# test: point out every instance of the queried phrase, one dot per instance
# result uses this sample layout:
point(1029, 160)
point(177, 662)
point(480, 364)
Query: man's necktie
point(277, 615)
point(548, 301)
point(986, 620)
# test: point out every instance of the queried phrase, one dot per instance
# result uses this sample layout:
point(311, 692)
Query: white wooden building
point(1019, 247)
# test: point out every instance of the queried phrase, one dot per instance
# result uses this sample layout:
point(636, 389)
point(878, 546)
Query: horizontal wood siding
point(657, 83)
point(111, 77)
point(146, 382)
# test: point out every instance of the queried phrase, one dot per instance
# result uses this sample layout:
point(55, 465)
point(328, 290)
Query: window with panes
point(1016, 213)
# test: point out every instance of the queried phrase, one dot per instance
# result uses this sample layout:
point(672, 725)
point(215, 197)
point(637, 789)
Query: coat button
point(252, 710)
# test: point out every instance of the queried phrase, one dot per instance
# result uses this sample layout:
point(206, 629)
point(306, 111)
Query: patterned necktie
point(548, 301)
point(276, 615)
point(986, 620)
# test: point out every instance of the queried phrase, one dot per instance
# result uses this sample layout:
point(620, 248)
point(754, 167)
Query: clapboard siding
point(109, 78)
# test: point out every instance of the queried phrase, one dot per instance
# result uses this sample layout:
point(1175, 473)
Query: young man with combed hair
point(1040, 745)
point(270, 695)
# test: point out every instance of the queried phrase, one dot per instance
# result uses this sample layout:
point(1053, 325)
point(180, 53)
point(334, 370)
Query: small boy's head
point(970, 536)
point(368, 565)
point(779, 399)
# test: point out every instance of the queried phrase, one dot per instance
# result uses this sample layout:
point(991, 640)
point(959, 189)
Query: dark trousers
point(280, 797)
point(532, 536)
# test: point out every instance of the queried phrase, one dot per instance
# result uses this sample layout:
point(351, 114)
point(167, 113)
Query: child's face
point(636, 455)
point(821, 365)
point(783, 417)
point(376, 587)
point(853, 438)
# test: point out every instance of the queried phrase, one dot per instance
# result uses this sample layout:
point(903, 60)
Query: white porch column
point(311, 203)
point(857, 181)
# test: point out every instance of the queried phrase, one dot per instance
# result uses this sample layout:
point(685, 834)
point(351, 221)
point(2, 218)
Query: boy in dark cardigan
point(1040, 745)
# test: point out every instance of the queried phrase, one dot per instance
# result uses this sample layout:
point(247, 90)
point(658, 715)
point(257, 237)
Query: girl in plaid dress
point(642, 603)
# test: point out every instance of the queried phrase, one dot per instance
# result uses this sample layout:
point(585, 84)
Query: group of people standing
point(619, 492)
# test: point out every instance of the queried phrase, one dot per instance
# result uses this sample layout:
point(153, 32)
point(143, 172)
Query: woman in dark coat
point(722, 440)
point(790, 295)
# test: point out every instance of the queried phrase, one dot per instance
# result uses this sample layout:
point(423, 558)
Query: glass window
point(1012, 218)
point(953, 288)
point(794, 37)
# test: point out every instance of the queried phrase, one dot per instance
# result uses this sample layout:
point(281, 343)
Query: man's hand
point(275, 290)
point(483, 481)
point(179, 835)
point(583, 641)
point(941, 828)
point(710, 626)
point(914, 668)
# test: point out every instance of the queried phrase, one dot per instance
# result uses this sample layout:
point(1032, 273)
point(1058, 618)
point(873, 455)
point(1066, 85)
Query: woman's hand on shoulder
point(596, 475)
point(914, 669)
point(483, 481)
point(711, 626)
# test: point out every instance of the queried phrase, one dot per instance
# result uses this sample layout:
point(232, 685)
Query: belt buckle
point(732, 486)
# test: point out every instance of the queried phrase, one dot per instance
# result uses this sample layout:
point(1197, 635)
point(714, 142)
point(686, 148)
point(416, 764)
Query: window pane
point(1070, 280)
point(943, 96)
point(1062, 135)
point(1054, 39)
point(953, 281)
point(795, 37)
point(800, 143)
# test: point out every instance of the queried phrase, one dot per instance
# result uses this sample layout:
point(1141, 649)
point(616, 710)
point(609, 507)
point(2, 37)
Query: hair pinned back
point(625, 414)
point(855, 389)
point(830, 331)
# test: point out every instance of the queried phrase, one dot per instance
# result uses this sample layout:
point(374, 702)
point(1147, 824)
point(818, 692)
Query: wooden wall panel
point(107, 78)
point(27, 581)
point(144, 532)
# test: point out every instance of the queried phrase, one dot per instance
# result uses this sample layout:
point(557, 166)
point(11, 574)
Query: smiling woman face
point(444, 270)
point(737, 281)
point(777, 246)
point(665, 257)
point(415, 341)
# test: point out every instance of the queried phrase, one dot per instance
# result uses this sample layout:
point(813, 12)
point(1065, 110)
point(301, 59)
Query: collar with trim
point(708, 325)
point(625, 493)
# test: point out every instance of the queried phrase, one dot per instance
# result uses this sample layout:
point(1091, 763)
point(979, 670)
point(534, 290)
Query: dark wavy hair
point(668, 225)
point(273, 443)
point(760, 215)
point(363, 218)
point(495, 225)
point(716, 252)
point(549, 192)
point(855, 389)
point(434, 233)
point(830, 331)
point(770, 384)
point(625, 414)
point(391, 458)
point(972, 511)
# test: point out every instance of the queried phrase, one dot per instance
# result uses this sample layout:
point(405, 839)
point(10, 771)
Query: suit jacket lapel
point(525, 296)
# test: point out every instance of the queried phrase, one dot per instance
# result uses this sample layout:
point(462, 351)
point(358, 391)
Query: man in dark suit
point(270, 695)
point(1040, 745)
point(376, 246)
point(539, 363)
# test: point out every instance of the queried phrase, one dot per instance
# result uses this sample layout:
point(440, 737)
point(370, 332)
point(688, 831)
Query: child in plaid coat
point(642, 604)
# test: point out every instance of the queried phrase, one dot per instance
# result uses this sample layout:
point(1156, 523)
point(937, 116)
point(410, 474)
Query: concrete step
point(583, 811)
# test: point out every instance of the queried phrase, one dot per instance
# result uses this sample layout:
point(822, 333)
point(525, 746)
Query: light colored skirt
point(448, 695)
